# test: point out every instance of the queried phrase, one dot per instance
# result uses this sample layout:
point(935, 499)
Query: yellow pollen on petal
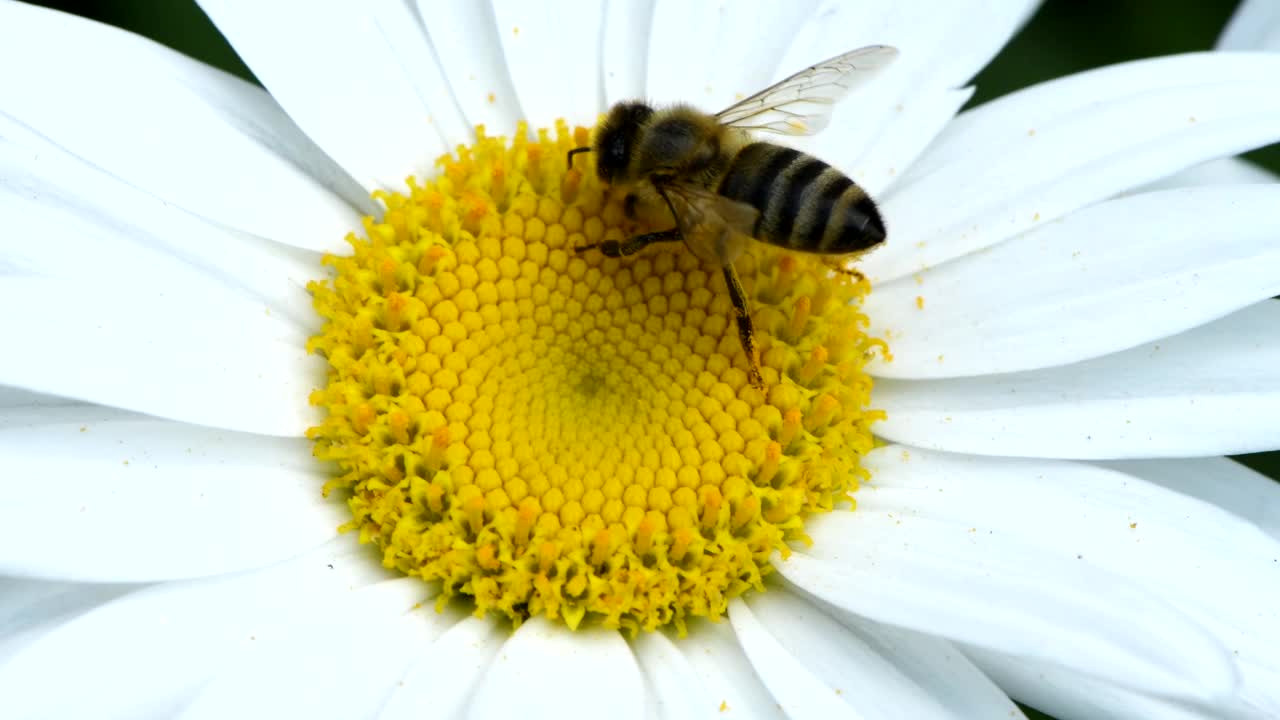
point(558, 433)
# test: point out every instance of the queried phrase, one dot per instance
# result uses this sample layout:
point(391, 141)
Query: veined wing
point(714, 227)
point(802, 103)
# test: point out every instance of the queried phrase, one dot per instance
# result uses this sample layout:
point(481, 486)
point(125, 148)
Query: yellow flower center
point(567, 434)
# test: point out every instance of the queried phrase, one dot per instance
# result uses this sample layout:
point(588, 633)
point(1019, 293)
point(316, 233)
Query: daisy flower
point(998, 475)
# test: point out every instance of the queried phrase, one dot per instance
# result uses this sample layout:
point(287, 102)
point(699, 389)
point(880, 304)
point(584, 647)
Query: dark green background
point(1064, 37)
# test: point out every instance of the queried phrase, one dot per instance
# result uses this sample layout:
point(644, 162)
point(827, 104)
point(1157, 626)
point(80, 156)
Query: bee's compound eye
point(611, 158)
point(616, 153)
point(618, 137)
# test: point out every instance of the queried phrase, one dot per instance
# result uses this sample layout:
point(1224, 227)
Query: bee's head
point(616, 137)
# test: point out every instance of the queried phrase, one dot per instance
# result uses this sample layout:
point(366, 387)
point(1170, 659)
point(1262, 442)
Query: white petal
point(48, 410)
point(933, 664)
point(1208, 391)
point(175, 128)
point(376, 634)
point(670, 680)
point(1217, 570)
point(66, 219)
point(624, 49)
point(1104, 279)
point(465, 40)
point(1221, 481)
point(958, 610)
point(443, 678)
point(228, 365)
point(1089, 570)
point(553, 55)
point(13, 400)
point(902, 141)
point(176, 636)
point(1069, 696)
point(136, 499)
point(1223, 171)
point(680, 53)
point(836, 27)
point(30, 609)
point(726, 52)
point(815, 667)
point(1040, 153)
point(725, 673)
point(547, 671)
point(406, 34)
point(336, 74)
point(1254, 26)
point(877, 134)
point(25, 604)
point(749, 46)
point(797, 690)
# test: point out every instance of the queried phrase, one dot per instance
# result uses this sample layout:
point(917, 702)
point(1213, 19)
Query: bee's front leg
point(632, 245)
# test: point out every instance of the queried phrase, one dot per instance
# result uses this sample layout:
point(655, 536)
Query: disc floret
point(573, 435)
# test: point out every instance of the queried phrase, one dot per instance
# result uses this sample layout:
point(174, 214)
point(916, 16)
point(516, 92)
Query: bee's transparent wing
point(714, 227)
point(802, 104)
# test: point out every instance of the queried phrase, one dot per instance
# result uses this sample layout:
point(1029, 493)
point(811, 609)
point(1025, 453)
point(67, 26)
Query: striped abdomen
point(804, 203)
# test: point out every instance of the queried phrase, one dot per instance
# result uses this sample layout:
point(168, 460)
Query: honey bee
point(722, 187)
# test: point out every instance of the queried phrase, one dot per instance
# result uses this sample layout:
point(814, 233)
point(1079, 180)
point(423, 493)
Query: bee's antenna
point(569, 158)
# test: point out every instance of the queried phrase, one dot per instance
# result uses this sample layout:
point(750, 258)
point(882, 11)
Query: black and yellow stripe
point(804, 203)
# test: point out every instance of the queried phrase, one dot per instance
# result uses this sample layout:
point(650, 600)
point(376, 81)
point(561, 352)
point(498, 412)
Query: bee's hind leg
point(839, 265)
point(632, 245)
point(746, 332)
